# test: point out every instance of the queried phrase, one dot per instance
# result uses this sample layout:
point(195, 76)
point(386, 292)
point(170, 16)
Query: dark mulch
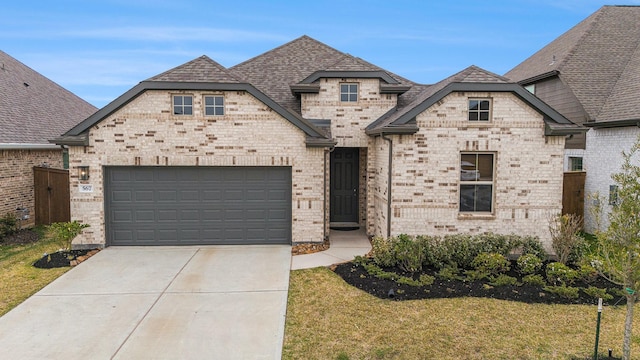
point(21, 237)
point(60, 259)
point(357, 276)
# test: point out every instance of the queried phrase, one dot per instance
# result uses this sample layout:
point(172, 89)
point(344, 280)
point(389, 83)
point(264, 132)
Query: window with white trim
point(349, 92)
point(479, 109)
point(182, 105)
point(214, 105)
point(476, 182)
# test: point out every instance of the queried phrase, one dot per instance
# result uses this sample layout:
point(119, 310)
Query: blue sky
point(100, 49)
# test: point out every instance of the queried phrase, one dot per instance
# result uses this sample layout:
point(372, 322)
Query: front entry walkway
point(344, 246)
point(215, 302)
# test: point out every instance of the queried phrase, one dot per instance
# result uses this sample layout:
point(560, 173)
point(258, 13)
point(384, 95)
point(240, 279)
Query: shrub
point(8, 225)
point(450, 272)
point(409, 254)
point(559, 273)
point(475, 275)
point(596, 292)
point(564, 291)
point(529, 264)
point(423, 280)
point(534, 279)
point(532, 245)
point(587, 273)
point(63, 233)
point(565, 238)
point(503, 280)
point(491, 263)
point(382, 251)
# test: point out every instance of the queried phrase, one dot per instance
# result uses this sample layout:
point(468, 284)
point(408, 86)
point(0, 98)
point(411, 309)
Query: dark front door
point(344, 185)
point(52, 195)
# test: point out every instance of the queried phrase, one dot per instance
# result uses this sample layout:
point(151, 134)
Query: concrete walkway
point(344, 246)
point(218, 302)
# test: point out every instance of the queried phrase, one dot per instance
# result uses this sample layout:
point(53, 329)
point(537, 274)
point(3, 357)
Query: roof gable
point(34, 109)
point(472, 79)
point(201, 69)
point(597, 60)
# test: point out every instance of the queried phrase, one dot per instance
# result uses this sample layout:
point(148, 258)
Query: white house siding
point(602, 159)
point(426, 170)
point(146, 133)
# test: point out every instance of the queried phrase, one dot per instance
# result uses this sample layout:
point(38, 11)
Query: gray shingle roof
point(33, 108)
point(201, 69)
point(276, 70)
point(598, 59)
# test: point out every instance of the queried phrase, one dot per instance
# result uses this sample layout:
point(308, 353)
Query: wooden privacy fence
point(573, 193)
point(52, 198)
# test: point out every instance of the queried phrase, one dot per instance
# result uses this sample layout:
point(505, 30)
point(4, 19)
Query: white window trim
point(461, 182)
point(214, 106)
point(349, 92)
point(173, 105)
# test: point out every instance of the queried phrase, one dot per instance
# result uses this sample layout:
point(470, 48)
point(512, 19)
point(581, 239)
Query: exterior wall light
point(83, 173)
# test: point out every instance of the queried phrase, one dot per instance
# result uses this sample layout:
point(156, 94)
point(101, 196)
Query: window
point(349, 92)
point(613, 195)
point(575, 163)
point(214, 105)
point(531, 88)
point(182, 105)
point(476, 182)
point(479, 110)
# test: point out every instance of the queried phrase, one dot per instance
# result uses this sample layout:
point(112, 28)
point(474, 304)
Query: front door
point(344, 185)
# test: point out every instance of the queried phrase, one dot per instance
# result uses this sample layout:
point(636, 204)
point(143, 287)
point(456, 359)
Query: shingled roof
point(598, 59)
point(34, 109)
point(473, 78)
point(276, 70)
point(201, 69)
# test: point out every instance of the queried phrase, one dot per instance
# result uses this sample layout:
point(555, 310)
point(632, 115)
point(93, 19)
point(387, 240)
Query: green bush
point(473, 275)
point(587, 273)
point(529, 264)
point(8, 225)
point(491, 263)
point(503, 280)
point(423, 280)
point(532, 245)
point(560, 274)
point(382, 251)
point(566, 292)
point(596, 292)
point(408, 253)
point(534, 279)
point(63, 233)
point(450, 272)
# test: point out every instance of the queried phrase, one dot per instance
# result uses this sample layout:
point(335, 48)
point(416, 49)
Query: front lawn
point(329, 319)
point(18, 278)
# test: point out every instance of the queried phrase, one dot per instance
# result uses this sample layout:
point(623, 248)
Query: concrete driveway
point(214, 302)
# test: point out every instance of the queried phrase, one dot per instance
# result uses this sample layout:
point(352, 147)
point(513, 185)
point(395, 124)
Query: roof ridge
point(305, 37)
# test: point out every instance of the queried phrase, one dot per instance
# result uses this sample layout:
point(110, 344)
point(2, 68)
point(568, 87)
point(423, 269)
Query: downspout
point(326, 193)
point(389, 173)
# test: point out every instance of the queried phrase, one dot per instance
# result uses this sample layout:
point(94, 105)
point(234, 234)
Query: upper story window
point(575, 163)
point(476, 182)
point(182, 105)
point(479, 109)
point(531, 88)
point(349, 92)
point(214, 105)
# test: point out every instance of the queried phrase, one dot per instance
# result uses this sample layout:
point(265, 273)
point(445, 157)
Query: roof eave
point(539, 77)
point(320, 142)
point(72, 140)
point(394, 89)
point(612, 124)
point(349, 74)
point(394, 130)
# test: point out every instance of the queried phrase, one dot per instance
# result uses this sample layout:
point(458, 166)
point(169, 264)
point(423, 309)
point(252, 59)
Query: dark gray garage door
point(197, 205)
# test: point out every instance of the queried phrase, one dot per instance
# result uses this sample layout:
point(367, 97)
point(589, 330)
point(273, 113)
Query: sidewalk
point(345, 245)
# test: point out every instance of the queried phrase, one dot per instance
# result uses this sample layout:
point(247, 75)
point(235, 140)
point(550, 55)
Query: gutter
point(389, 178)
point(18, 146)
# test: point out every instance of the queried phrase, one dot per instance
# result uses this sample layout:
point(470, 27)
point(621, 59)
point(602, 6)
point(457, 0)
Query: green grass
point(18, 278)
point(328, 319)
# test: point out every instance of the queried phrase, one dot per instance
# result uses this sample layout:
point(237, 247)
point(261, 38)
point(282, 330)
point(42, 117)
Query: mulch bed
point(358, 277)
point(64, 258)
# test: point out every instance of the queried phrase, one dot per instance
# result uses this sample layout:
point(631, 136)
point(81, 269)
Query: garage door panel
point(198, 205)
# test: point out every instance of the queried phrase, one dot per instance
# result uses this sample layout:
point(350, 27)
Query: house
point(591, 75)
point(304, 138)
point(33, 109)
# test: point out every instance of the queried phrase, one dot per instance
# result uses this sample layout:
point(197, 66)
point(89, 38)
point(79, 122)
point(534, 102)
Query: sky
point(100, 49)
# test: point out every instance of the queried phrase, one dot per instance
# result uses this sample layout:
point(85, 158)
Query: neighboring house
point(284, 146)
point(33, 109)
point(591, 74)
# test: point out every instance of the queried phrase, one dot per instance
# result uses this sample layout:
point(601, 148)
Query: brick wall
point(145, 132)
point(426, 171)
point(16, 178)
point(603, 157)
point(348, 120)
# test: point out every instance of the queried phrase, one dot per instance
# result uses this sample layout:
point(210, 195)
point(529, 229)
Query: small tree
point(565, 239)
point(618, 256)
point(63, 233)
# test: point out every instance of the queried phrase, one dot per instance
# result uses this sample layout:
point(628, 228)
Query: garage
point(147, 205)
